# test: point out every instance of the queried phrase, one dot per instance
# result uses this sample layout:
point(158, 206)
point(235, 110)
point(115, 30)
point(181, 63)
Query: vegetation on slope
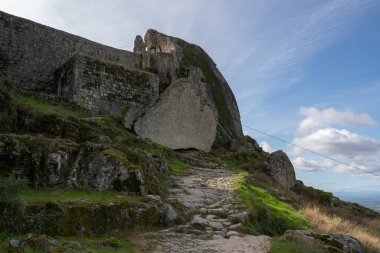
point(45, 120)
point(269, 215)
point(368, 233)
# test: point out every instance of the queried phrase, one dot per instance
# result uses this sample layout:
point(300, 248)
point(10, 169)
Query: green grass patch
point(116, 243)
point(99, 244)
point(279, 245)
point(42, 106)
point(178, 167)
point(269, 215)
point(76, 196)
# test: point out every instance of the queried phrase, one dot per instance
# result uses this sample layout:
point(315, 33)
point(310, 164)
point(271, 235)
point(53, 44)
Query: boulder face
point(325, 242)
point(183, 117)
point(172, 58)
point(281, 169)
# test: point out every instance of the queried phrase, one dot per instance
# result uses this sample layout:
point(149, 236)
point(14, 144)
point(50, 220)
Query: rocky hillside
point(104, 150)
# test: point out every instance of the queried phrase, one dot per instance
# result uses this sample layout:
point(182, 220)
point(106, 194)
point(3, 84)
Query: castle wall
point(30, 52)
point(103, 87)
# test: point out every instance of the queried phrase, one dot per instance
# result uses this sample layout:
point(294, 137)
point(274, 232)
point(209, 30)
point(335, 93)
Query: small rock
point(203, 210)
point(216, 225)
point(217, 237)
point(154, 197)
point(199, 222)
point(231, 234)
point(217, 211)
point(226, 223)
point(14, 243)
point(210, 217)
point(235, 226)
point(242, 217)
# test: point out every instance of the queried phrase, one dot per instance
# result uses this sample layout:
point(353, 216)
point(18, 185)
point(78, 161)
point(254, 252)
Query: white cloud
point(317, 133)
point(266, 146)
point(303, 164)
point(334, 142)
point(317, 119)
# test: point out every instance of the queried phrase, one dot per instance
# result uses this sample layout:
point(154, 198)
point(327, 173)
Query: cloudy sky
point(306, 71)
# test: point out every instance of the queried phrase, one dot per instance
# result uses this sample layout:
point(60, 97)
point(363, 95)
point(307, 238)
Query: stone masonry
point(105, 88)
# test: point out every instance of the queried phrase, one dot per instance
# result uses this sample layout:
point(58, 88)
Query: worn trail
point(215, 213)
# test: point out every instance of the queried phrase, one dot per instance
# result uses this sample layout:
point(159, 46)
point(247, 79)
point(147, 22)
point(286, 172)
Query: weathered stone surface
point(326, 242)
point(30, 52)
point(158, 42)
point(139, 45)
point(106, 173)
point(105, 88)
point(281, 169)
point(82, 218)
point(132, 115)
point(14, 243)
point(183, 117)
point(46, 163)
point(36, 57)
point(171, 58)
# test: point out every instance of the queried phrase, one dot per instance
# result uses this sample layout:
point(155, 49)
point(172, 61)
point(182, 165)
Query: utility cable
point(313, 152)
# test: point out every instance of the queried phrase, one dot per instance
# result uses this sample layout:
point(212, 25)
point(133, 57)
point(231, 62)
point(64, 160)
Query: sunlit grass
point(271, 216)
point(42, 106)
point(334, 224)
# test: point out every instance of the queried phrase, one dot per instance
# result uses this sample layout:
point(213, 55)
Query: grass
point(178, 167)
point(368, 235)
point(42, 106)
point(279, 245)
point(269, 215)
point(99, 244)
point(116, 243)
point(82, 196)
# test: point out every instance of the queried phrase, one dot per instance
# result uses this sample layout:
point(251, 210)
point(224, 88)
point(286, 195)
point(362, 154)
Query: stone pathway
point(215, 213)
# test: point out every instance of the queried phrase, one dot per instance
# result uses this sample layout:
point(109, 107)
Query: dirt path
point(215, 212)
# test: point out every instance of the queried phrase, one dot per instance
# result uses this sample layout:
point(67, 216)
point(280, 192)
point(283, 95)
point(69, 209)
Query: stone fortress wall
point(105, 88)
point(105, 80)
point(30, 53)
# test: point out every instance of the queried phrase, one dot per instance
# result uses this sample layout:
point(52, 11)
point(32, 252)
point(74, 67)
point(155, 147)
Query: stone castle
point(171, 90)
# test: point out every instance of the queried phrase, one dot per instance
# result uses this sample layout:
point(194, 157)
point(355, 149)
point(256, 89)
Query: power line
point(311, 151)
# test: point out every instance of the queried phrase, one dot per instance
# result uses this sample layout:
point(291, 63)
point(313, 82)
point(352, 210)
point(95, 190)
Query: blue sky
point(305, 71)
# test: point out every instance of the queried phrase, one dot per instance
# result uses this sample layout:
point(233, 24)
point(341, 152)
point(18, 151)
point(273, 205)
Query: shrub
point(11, 187)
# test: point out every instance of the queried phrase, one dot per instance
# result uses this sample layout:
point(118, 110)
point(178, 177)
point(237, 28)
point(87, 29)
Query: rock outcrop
point(184, 116)
point(281, 169)
point(105, 80)
point(326, 242)
point(172, 58)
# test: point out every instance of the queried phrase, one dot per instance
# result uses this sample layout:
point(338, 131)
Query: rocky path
point(215, 215)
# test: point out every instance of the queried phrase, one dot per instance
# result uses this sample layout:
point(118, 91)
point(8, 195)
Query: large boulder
point(281, 169)
point(171, 59)
point(184, 116)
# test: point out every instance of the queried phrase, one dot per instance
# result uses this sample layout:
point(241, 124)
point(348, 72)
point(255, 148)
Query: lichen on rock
point(184, 116)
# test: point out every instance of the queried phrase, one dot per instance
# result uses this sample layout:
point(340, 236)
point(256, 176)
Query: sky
point(306, 71)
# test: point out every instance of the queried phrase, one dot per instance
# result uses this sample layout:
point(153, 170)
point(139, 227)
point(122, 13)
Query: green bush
point(11, 187)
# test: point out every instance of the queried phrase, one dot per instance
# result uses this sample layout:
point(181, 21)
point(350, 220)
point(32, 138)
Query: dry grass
point(367, 234)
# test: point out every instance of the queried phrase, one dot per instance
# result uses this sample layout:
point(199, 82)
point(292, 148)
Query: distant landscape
point(368, 199)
